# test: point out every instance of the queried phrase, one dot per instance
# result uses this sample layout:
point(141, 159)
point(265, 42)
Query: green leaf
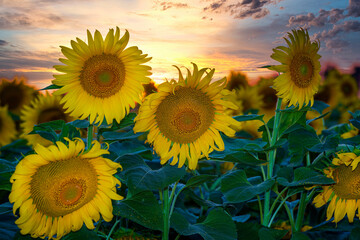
point(217, 225)
point(83, 233)
point(319, 106)
point(140, 177)
point(271, 234)
point(356, 119)
point(79, 123)
point(244, 158)
point(355, 233)
point(288, 119)
point(331, 142)
point(302, 176)
point(142, 208)
point(5, 180)
point(128, 148)
point(300, 236)
point(200, 179)
point(115, 136)
point(249, 117)
point(237, 188)
point(50, 87)
point(198, 200)
point(248, 230)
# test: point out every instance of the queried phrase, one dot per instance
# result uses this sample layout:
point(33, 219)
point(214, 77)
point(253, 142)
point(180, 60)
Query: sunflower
point(101, 80)
point(236, 80)
point(328, 93)
point(252, 127)
point(15, 94)
point(344, 195)
point(7, 127)
point(268, 97)
point(43, 109)
point(246, 99)
point(348, 89)
point(60, 187)
point(351, 133)
point(300, 67)
point(184, 118)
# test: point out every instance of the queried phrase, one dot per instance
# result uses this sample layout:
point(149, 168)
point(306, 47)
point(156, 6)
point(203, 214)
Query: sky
point(226, 35)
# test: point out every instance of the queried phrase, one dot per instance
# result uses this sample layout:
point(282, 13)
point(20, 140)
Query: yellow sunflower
point(15, 94)
point(7, 127)
point(344, 195)
point(246, 99)
point(348, 89)
point(328, 93)
point(101, 80)
point(184, 118)
point(43, 109)
point(300, 67)
point(236, 80)
point(268, 97)
point(60, 187)
point(351, 133)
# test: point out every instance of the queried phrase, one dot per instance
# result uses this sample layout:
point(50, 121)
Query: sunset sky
point(221, 34)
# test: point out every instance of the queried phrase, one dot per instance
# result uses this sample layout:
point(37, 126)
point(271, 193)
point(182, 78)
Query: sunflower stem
point(260, 209)
point(301, 212)
point(98, 226)
point(166, 214)
point(112, 229)
point(90, 136)
point(272, 156)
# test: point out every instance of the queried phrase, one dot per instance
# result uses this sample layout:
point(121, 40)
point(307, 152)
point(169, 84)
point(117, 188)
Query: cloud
point(324, 17)
point(336, 44)
point(21, 20)
point(166, 5)
point(354, 8)
point(3, 43)
point(241, 10)
point(346, 26)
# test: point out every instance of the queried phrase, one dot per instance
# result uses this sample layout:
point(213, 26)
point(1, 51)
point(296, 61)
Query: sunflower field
point(105, 153)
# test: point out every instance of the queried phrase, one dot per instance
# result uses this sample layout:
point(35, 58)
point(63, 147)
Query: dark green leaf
point(355, 233)
point(271, 234)
point(288, 119)
point(79, 123)
point(142, 208)
point(244, 158)
point(356, 119)
point(140, 177)
point(249, 117)
point(127, 148)
point(217, 225)
point(50, 87)
point(331, 142)
point(302, 176)
point(320, 106)
point(115, 136)
point(300, 236)
point(248, 230)
point(242, 218)
point(83, 233)
point(198, 180)
point(237, 188)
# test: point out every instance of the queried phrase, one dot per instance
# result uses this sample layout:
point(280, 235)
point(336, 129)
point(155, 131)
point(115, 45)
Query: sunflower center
point(12, 96)
point(347, 182)
point(301, 71)
point(269, 98)
point(64, 186)
point(51, 114)
point(102, 75)
point(347, 89)
point(183, 116)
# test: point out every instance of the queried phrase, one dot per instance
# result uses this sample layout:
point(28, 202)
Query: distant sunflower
point(101, 80)
point(246, 99)
point(300, 67)
point(328, 93)
point(7, 127)
point(43, 109)
point(351, 133)
point(344, 195)
point(268, 97)
point(348, 89)
point(252, 127)
point(236, 80)
point(15, 94)
point(184, 118)
point(60, 187)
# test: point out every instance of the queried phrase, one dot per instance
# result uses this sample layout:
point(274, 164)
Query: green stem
point(260, 209)
point(271, 159)
point(301, 212)
point(277, 199)
point(89, 136)
point(98, 225)
point(277, 210)
point(112, 229)
point(166, 205)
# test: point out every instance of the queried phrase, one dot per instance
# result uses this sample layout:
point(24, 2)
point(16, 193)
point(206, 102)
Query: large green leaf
point(249, 117)
point(139, 176)
point(356, 119)
point(243, 157)
point(128, 148)
point(217, 225)
point(302, 176)
point(300, 236)
point(115, 136)
point(237, 188)
point(288, 119)
point(248, 230)
point(331, 142)
point(83, 233)
point(142, 208)
point(271, 234)
point(198, 180)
